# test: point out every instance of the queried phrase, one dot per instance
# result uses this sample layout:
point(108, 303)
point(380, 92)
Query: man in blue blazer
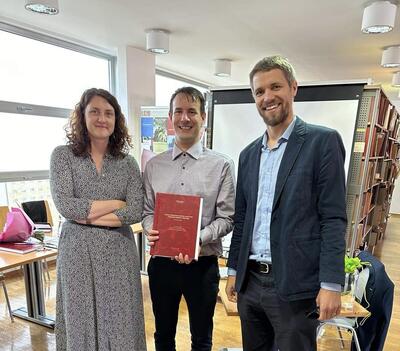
point(287, 251)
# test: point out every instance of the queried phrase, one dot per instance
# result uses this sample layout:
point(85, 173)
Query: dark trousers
point(269, 323)
point(198, 283)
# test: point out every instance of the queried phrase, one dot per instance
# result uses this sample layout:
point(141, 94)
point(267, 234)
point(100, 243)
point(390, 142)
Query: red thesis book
point(178, 220)
point(21, 248)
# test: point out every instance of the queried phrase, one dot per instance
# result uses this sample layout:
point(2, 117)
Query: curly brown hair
point(77, 133)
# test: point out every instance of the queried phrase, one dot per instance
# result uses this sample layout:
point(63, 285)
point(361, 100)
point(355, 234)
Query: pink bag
point(18, 227)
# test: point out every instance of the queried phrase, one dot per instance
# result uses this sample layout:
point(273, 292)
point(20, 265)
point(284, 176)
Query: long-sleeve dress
point(99, 303)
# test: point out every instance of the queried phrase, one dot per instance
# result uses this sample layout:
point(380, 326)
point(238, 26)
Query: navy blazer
point(308, 219)
point(378, 300)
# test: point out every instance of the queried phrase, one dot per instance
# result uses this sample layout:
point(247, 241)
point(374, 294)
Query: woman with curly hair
point(97, 187)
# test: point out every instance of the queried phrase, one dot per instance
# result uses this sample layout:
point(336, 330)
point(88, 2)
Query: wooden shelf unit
point(374, 168)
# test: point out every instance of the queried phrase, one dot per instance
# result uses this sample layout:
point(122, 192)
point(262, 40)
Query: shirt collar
point(284, 137)
point(194, 151)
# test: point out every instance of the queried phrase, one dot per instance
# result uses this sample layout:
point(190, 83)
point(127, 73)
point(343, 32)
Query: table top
point(356, 311)
point(10, 260)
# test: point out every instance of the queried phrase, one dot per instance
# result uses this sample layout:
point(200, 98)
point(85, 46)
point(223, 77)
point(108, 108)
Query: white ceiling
point(321, 38)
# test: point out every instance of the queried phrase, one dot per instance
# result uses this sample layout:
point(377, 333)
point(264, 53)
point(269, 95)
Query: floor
point(24, 336)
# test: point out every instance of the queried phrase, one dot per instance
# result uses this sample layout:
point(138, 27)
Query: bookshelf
point(374, 168)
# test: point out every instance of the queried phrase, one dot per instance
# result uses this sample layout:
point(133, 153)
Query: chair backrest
point(38, 211)
point(48, 213)
point(361, 284)
point(3, 216)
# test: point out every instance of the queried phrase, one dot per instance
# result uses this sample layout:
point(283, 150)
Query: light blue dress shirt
point(270, 162)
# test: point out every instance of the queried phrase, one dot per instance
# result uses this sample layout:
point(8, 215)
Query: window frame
point(44, 110)
point(184, 79)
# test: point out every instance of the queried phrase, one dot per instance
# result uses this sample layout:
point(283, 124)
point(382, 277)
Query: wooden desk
point(357, 310)
point(231, 308)
point(35, 307)
point(35, 310)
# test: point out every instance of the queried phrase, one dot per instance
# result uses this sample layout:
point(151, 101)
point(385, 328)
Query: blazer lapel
point(292, 151)
point(254, 171)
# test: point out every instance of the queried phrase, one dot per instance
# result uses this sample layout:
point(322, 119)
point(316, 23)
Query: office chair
point(3, 215)
point(3, 283)
point(39, 212)
point(346, 322)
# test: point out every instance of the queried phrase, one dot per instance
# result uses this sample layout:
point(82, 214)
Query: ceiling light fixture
point(391, 57)
point(396, 79)
point(47, 7)
point(379, 17)
point(222, 68)
point(157, 41)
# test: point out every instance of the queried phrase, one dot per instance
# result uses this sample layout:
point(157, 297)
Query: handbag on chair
point(18, 226)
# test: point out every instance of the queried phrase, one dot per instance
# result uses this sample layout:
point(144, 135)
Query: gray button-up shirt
point(197, 171)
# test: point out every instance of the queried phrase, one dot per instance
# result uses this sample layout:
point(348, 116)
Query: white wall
point(395, 205)
point(135, 88)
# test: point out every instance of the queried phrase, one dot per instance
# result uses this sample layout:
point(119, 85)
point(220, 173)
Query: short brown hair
point(192, 93)
point(77, 133)
point(274, 62)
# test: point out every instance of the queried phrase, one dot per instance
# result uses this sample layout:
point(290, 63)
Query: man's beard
point(274, 120)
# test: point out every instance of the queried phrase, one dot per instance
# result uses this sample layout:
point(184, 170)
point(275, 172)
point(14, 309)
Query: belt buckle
point(263, 268)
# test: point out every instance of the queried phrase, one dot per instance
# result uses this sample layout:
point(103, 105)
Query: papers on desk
point(51, 242)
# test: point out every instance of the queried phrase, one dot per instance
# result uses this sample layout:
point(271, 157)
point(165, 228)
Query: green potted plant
point(351, 267)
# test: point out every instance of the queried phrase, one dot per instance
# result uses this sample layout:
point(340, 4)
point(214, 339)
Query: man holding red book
point(189, 169)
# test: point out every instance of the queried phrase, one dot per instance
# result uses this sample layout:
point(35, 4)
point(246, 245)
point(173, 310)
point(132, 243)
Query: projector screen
point(236, 124)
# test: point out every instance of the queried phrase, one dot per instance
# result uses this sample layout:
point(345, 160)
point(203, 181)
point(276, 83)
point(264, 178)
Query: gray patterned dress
point(99, 295)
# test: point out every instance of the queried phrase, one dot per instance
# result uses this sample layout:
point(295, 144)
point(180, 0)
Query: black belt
point(99, 226)
point(260, 267)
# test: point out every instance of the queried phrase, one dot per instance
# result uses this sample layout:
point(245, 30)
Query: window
point(34, 72)
point(42, 78)
point(167, 83)
point(33, 139)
